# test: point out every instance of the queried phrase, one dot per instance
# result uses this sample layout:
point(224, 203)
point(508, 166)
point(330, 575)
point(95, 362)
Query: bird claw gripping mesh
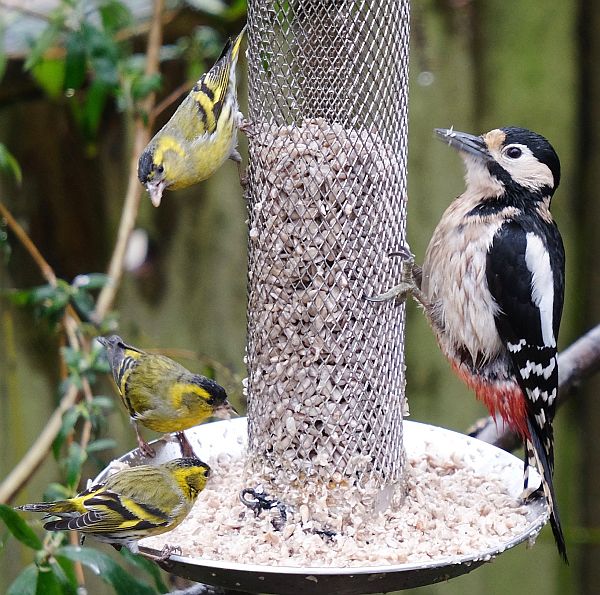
point(327, 204)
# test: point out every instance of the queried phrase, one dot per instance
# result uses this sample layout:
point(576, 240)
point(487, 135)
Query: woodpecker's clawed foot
point(405, 253)
point(400, 292)
point(257, 500)
point(408, 286)
point(184, 444)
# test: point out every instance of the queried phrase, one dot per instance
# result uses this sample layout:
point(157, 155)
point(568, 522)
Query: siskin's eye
point(514, 152)
point(160, 169)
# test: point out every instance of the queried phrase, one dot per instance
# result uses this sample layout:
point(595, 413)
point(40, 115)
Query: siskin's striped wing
point(110, 513)
point(210, 94)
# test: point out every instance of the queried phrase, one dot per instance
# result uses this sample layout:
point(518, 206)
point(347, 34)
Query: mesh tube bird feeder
point(327, 203)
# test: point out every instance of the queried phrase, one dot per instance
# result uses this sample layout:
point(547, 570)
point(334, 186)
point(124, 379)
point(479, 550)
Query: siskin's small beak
point(225, 411)
point(468, 143)
point(155, 190)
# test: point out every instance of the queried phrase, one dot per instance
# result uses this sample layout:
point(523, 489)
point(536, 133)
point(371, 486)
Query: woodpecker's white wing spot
point(551, 397)
point(542, 285)
point(516, 347)
point(538, 369)
point(541, 418)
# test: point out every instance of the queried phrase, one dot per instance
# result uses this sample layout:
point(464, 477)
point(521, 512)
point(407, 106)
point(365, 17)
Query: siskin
point(201, 134)
point(161, 394)
point(131, 504)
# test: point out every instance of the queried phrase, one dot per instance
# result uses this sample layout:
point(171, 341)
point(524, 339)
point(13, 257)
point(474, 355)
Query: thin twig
point(24, 10)
point(25, 240)
point(86, 430)
point(36, 454)
point(576, 363)
point(134, 188)
point(169, 99)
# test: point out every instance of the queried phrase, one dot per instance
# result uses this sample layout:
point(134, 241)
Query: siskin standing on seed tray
point(131, 504)
point(202, 133)
point(161, 394)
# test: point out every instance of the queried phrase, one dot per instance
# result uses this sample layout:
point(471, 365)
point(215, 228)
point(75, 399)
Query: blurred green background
point(475, 65)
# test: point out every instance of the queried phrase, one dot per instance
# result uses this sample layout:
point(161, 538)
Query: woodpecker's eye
point(514, 152)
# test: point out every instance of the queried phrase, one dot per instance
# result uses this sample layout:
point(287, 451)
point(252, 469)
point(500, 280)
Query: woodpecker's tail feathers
point(544, 466)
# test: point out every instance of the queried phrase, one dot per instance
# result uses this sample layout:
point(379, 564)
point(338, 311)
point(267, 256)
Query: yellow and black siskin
point(161, 394)
point(202, 133)
point(131, 504)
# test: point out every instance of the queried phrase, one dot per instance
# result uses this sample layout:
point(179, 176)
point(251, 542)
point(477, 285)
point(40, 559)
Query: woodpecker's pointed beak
point(155, 190)
point(468, 143)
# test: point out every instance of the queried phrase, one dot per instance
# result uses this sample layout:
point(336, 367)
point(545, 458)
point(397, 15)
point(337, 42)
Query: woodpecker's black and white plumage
point(492, 285)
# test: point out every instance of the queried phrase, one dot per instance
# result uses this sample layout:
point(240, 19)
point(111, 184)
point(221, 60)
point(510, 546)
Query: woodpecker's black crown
point(539, 146)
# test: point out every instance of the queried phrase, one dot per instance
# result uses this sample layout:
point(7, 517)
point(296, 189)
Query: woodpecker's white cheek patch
point(537, 260)
point(526, 170)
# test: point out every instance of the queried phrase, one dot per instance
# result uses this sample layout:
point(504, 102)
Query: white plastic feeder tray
point(230, 437)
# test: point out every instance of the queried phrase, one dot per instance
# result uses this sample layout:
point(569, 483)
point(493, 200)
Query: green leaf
point(19, 528)
point(236, 10)
point(64, 575)
point(91, 281)
point(57, 491)
point(83, 302)
point(93, 107)
point(103, 402)
point(107, 569)
point(69, 419)
point(73, 463)
point(50, 76)
point(145, 84)
point(47, 582)
point(43, 43)
point(9, 164)
point(103, 54)
point(150, 567)
point(103, 444)
point(67, 568)
point(25, 583)
point(115, 15)
point(76, 62)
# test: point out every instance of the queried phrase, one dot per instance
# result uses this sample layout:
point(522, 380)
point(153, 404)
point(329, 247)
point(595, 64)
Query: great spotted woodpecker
point(492, 286)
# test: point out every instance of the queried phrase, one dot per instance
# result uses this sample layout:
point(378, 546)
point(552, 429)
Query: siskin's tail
point(58, 507)
point(236, 44)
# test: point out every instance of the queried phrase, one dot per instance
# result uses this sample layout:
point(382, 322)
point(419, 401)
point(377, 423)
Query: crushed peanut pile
point(449, 510)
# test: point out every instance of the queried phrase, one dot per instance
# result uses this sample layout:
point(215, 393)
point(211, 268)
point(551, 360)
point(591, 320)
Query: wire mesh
point(328, 90)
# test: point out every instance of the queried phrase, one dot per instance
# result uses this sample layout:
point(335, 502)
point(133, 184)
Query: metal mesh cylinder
point(328, 86)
